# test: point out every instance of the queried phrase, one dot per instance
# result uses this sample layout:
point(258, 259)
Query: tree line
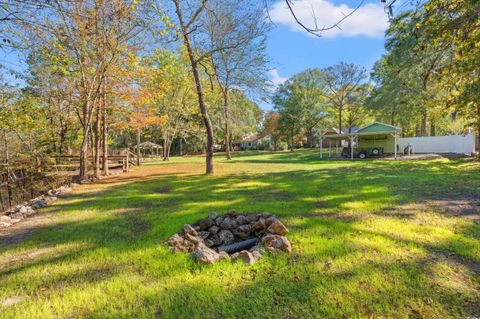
point(105, 74)
point(102, 74)
point(427, 82)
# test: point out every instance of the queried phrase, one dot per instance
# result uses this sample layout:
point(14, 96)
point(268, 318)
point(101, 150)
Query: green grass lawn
point(367, 242)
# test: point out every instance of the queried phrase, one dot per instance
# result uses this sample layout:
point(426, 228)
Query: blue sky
point(292, 50)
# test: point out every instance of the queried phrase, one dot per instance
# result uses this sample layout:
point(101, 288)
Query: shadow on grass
point(131, 216)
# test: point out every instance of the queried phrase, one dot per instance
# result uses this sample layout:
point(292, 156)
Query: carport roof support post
point(352, 140)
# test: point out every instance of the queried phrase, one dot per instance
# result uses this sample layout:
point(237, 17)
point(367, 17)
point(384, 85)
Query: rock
point(197, 228)
point(206, 223)
point(275, 243)
point(193, 239)
point(265, 215)
point(204, 234)
point(212, 216)
point(188, 229)
point(259, 225)
point(5, 224)
point(257, 255)
point(205, 255)
point(178, 243)
point(214, 229)
point(258, 248)
point(224, 255)
point(228, 223)
point(246, 256)
point(26, 210)
point(241, 220)
point(209, 243)
point(277, 228)
point(270, 220)
point(224, 237)
point(231, 213)
point(18, 216)
point(243, 231)
point(39, 203)
point(251, 218)
point(8, 219)
point(219, 221)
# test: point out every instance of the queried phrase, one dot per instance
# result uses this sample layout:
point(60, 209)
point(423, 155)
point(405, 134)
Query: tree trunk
point(433, 129)
point(87, 110)
point(478, 131)
point(340, 114)
point(180, 146)
point(227, 131)
point(199, 89)
point(291, 141)
point(423, 124)
point(138, 147)
point(166, 151)
point(104, 134)
point(169, 148)
point(7, 169)
point(97, 144)
point(274, 144)
point(83, 174)
point(309, 137)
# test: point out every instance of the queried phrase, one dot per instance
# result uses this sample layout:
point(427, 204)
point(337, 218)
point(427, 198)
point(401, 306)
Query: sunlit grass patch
point(367, 242)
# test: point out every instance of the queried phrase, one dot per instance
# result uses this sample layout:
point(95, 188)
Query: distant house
point(254, 141)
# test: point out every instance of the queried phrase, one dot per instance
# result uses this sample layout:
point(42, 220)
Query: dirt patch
point(24, 230)
point(345, 216)
point(163, 190)
point(10, 301)
point(465, 207)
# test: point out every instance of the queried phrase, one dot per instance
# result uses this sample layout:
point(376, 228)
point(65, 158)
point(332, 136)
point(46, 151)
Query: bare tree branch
point(317, 31)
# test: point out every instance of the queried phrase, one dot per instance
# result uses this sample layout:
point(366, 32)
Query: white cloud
point(275, 78)
point(369, 20)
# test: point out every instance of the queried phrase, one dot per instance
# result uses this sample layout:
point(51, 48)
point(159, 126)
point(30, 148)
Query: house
point(254, 142)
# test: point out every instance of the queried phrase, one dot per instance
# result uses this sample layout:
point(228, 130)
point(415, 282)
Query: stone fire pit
point(245, 236)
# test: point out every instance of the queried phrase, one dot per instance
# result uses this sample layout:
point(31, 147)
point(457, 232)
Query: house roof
point(149, 145)
point(375, 128)
point(378, 127)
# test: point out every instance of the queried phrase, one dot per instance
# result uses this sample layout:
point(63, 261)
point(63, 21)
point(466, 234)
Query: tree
point(291, 112)
point(143, 85)
point(454, 26)
point(238, 27)
point(87, 38)
point(302, 104)
point(177, 105)
point(271, 127)
point(355, 112)
point(187, 30)
point(342, 80)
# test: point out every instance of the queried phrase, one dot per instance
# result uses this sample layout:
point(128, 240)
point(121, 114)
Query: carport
point(377, 137)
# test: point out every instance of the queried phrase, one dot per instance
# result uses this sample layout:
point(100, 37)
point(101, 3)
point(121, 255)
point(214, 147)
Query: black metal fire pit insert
point(241, 245)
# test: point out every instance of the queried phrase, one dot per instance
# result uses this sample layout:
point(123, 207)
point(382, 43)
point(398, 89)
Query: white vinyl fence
point(460, 144)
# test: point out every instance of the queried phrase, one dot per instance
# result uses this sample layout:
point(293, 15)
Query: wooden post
point(351, 147)
point(321, 146)
point(395, 145)
point(138, 147)
point(329, 148)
